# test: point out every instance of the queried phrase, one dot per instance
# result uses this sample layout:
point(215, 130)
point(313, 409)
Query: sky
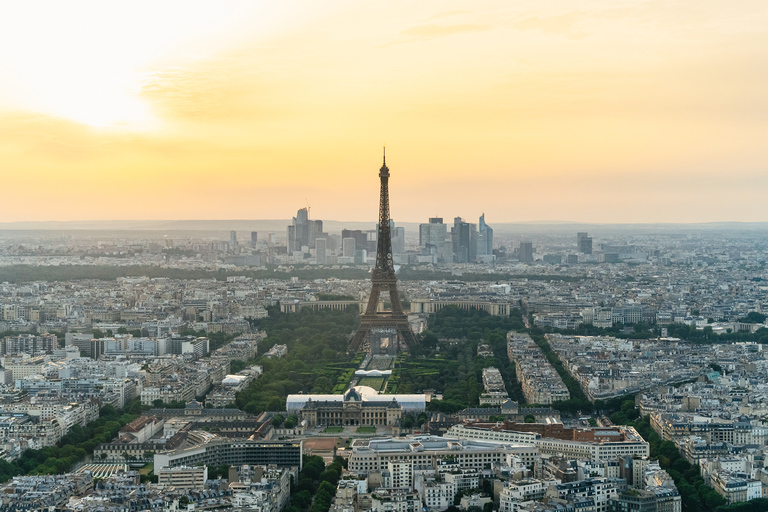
point(589, 111)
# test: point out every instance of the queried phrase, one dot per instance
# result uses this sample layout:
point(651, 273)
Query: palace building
point(352, 410)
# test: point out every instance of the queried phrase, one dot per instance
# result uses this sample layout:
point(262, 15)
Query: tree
point(276, 404)
point(330, 475)
point(278, 420)
point(753, 317)
point(301, 499)
point(530, 418)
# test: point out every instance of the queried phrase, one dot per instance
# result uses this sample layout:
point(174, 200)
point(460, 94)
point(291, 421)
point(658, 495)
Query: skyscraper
point(398, 241)
point(303, 232)
point(584, 243)
point(320, 251)
point(526, 252)
point(315, 232)
point(361, 237)
point(233, 240)
point(291, 238)
point(254, 238)
point(460, 237)
point(484, 237)
point(348, 247)
point(432, 238)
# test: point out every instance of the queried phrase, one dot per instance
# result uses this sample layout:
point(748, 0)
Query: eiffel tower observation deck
point(377, 323)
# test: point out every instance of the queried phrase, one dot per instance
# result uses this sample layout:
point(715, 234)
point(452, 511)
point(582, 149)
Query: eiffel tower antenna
point(384, 281)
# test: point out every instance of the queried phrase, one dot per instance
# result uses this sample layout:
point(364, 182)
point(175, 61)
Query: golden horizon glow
point(642, 111)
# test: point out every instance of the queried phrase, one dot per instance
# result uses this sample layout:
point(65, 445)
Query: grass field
point(366, 430)
point(333, 430)
point(373, 382)
point(147, 469)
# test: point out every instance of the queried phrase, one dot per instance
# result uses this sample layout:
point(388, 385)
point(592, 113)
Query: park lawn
point(366, 430)
point(147, 469)
point(333, 430)
point(372, 382)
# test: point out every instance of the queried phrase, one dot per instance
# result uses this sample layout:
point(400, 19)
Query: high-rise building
point(348, 246)
point(28, 344)
point(526, 252)
point(88, 346)
point(320, 251)
point(303, 232)
point(461, 236)
point(360, 237)
point(298, 231)
point(584, 243)
point(333, 243)
point(254, 238)
point(290, 238)
point(233, 240)
point(484, 237)
point(398, 241)
point(432, 238)
point(315, 232)
point(360, 257)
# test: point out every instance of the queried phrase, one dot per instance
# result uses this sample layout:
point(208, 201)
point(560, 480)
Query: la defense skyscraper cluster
point(466, 242)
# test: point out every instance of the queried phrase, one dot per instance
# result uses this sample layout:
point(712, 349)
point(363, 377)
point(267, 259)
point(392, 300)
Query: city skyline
point(639, 113)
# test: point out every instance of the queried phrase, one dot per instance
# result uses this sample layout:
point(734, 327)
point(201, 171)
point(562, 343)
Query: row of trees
point(456, 368)
point(317, 484)
point(578, 401)
point(644, 330)
point(74, 446)
point(26, 273)
point(317, 354)
point(695, 494)
point(452, 322)
point(416, 273)
point(279, 421)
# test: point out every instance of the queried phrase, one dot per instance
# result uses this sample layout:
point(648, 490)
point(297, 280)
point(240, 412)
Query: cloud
point(433, 31)
point(447, 14)
point(234, 87)
point(561, 25)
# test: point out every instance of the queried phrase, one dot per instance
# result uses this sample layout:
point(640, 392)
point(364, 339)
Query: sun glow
point(87, 61)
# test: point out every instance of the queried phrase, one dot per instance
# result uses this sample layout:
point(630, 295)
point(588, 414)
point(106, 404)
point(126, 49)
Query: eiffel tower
point(394, 321)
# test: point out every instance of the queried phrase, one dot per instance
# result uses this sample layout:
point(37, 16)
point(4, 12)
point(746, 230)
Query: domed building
point(354, 408)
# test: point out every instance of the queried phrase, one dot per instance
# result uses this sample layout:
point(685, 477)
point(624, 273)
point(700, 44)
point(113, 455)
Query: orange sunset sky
point(593, 111)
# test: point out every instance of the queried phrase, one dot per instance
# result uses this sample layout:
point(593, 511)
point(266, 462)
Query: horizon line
point(288, 220)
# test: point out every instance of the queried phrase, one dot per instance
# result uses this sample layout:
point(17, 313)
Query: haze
point(642, 111)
